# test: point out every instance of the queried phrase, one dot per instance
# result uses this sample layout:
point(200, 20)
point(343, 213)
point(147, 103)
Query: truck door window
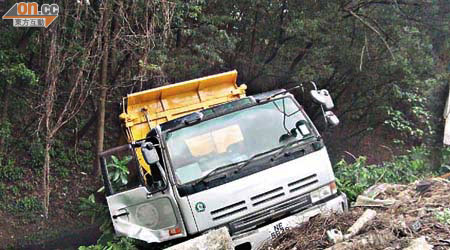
point(123, 170)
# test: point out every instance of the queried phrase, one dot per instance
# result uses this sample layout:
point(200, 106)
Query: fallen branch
point(371, 239)
point(367, 216)
point(336, 236)
point(374, 30)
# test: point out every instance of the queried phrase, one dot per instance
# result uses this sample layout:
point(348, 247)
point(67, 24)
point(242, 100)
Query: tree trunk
point(103, 92)
point(46, 176)
point(49, 101)
point(100, 129)
point(78, 136)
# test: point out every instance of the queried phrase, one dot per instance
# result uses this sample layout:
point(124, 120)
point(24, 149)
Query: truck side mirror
point(332, 119)
point(322, 97)
point(149, 153)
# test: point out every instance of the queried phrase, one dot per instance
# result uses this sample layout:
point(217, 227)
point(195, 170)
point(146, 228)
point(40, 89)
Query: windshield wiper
point(244, 162)
point(215, 171)
point(283, 149)
point(249, 160)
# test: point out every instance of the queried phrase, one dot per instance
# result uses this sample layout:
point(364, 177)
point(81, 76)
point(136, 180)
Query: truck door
point(138, 210)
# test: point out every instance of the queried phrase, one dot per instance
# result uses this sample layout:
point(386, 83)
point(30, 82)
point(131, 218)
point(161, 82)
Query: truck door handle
point(119, 215)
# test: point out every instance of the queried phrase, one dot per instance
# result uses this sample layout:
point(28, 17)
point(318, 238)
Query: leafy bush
point(25, 186)
point(118, 174)
point(29, 204)
point(5, 130)
point(415, 121)
point(354, 178)
point(99, 213)
point(15, 190)
point(121, 244)
point(63, 172)
point(10, 172)
point(445, 160)
point(36, 151)
point(2, 191)
point(96, 211)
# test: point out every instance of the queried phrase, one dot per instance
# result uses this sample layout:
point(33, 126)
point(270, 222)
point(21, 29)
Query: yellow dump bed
point(146, 109)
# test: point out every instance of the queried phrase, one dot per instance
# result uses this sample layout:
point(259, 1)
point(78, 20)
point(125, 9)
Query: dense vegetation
point(386, 64)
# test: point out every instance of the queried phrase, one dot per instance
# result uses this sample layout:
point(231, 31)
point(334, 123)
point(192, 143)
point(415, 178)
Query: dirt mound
point(418, 213)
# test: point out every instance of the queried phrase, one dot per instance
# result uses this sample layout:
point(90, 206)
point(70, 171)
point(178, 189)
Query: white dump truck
point(202, 156)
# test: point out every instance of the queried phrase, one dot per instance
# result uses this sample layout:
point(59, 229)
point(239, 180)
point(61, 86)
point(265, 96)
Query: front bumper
point(256, 238)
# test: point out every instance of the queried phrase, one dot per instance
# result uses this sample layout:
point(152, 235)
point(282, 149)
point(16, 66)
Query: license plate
point(278, 229)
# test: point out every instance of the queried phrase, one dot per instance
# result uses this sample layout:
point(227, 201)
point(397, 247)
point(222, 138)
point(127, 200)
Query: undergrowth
point(354, 178)
point(98, 212)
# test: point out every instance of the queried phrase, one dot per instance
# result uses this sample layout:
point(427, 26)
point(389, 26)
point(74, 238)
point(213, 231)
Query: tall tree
point(103, 86)
point(61, 100)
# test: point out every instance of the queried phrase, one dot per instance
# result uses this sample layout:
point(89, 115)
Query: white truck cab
point(255, 165)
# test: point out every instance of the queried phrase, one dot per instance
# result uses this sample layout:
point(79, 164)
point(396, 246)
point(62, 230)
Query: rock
point(335, 235)
point(416, 226)
point(213, 240)
point(419, 244)
point(423, 186)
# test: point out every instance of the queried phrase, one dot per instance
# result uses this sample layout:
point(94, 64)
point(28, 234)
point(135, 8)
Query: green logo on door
point(200, 206)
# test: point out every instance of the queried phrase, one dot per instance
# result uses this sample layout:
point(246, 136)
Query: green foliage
point(354, 178)
point(5, 130)
point(96, 211)
point(443, 216)
point(121, 243)
point(63, 172)
point(36, 153)
point(415, 121)
point(10, 171)
point(118, 171)
point(3, 191)
point(11, 195)
point(99, 213)
point(25, 186)
point(15, 190)
point(29, 204)
point(445, 155)
point(25, 207)
point(13, 70)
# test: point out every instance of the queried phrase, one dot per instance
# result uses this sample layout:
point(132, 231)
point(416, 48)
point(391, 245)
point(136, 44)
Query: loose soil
point(413, 215)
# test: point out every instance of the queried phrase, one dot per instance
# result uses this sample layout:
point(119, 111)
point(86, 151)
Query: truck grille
point(267, 196)
point(295, 202)
point(268, 215)
point(228, 210)
point(300, 184)
point(292, 199)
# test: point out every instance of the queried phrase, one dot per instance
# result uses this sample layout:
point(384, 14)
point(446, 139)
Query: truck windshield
point(235, 137)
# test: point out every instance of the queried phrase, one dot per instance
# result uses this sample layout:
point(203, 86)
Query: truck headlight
point(156, 214)
point(323, 192)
